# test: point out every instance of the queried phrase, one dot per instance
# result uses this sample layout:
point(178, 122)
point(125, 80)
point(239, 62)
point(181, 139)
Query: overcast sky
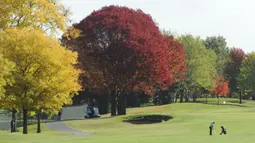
point(233, 19)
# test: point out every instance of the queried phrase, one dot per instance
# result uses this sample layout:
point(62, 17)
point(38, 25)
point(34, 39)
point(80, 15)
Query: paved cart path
point(62, 127)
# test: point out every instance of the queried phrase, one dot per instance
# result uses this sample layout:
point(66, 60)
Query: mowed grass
point(47, 136)
point(189, 125)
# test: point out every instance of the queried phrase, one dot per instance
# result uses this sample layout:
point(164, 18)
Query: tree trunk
point(187, 97)
point(13, 122)
point(218, 100)
point(176, 97)
point(206, 99)
point(103, 104)
point(240, 97)
point(113, 103)
point(181, 98)
point(38, 122)
point(121, 105)
point(194, 97)
point(173, 97)
point(124, 109)
point(24, 121)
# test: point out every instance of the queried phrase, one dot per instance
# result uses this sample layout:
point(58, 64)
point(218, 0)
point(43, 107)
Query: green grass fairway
point(189, 125)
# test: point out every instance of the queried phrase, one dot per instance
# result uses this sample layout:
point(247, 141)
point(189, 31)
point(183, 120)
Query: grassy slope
point(190, 125)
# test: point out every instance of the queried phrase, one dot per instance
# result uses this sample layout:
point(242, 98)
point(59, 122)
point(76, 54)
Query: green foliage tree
point(246, 77)
point(168, 33)
point(42, 79)
point(219, 45)
point(233, 68)
point(201, 65)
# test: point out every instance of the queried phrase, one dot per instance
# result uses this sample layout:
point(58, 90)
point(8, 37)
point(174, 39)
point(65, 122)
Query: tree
point(169, 33)
point(221, 87)
point(122, 50)
point(6, 69)
point(219, 45)
point(201, 65)
point(49, 15)
point(42, 79)
point(177, 59)
point(246, 77)
point(233, 68)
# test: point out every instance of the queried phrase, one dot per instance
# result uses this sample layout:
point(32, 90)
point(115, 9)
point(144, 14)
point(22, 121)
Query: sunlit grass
point(189, 125)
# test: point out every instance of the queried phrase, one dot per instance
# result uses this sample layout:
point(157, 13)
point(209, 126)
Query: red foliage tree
point(237, 56)
point(177, 59)
point(121, 49)
point(233, 67)
point(221, 87)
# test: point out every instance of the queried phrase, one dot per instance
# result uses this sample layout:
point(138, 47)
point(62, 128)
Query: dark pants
point(210, 130)
point(223, 132)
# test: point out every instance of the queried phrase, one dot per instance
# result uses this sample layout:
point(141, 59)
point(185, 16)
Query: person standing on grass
point(223, 130)
point(211, 127)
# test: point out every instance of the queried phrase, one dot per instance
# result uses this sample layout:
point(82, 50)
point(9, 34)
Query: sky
point(233, 19)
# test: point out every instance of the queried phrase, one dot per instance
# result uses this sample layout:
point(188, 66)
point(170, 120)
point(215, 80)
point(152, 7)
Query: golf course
point(134, 71)
point(190, 124)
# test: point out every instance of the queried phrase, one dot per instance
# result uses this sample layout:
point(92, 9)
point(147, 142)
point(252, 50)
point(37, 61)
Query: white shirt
point(212, 124)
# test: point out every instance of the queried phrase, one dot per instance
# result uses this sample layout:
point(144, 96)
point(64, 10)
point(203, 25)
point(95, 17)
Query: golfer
point(211, 127)
point(223, 130)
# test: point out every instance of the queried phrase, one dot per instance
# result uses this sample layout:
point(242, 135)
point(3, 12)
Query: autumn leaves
point(114, 49)
point(37, 72)
point(126, 48)
point(43, 76)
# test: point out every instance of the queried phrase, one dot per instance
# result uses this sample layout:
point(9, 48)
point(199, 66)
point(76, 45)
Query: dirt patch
point(148, 119)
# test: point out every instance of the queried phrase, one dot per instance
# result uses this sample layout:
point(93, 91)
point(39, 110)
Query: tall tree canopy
point(219, 45)
point(6, 69)
point(48, 15)
point(201, 63)
point(122, 49)
point(246, 77)
point(177, 58)
point(44, 75)
point(233, 67)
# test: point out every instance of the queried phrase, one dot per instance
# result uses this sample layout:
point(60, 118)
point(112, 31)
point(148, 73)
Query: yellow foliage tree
point(45, 77)
point(49, 15)
point(6, 67)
